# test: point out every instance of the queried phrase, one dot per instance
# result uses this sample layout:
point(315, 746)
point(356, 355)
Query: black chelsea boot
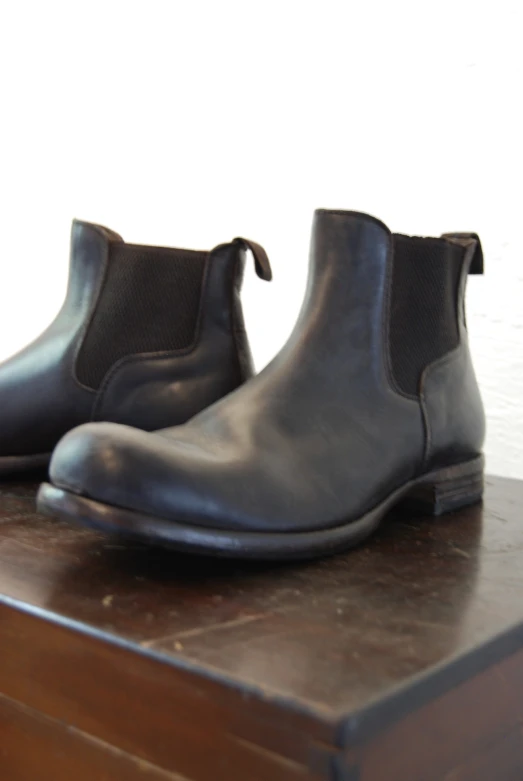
point(147, 336)
point(372, 402)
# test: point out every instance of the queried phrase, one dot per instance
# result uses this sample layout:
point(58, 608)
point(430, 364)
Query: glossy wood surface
point(36, 747)
point(281, 671)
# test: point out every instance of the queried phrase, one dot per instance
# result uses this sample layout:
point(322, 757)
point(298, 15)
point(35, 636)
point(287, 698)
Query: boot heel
point(447, 489)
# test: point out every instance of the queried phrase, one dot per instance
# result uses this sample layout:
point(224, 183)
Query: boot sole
point(11, 465)
point(442, 491)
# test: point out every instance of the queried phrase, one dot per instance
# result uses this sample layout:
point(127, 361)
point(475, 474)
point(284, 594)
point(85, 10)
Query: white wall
point(188, 123)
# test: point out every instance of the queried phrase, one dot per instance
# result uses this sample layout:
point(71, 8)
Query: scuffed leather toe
point(173, 474)
point(169, 477)
point(92, 457)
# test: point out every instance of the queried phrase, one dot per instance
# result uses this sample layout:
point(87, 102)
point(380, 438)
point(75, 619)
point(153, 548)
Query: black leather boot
point(147, 336)
point(373, 401)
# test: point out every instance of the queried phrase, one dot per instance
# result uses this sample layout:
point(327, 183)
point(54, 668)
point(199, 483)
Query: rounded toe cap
point(177, 478)
point(125, 467)
point(91, 458)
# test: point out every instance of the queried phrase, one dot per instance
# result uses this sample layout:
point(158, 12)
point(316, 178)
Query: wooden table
point(399, 661)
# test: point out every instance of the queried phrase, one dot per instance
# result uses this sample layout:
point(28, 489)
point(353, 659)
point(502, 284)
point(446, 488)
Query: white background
point(187, 123)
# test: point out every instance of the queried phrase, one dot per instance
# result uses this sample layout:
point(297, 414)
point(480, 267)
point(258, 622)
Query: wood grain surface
point(402, 659)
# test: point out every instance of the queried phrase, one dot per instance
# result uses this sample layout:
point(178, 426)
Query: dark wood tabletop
point(399, 660)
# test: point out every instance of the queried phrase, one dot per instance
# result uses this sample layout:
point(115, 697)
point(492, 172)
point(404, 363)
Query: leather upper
point(149, 390)
point(317, 438)
point(41, 398)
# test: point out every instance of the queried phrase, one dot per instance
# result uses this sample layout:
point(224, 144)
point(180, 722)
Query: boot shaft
point(392, 309)
point(153, 300)
point(427, 302)
point(146, 336)
point(149, 302)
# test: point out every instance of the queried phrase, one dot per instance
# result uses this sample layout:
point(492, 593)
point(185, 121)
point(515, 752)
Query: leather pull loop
point(471, 242)
point(261, 260)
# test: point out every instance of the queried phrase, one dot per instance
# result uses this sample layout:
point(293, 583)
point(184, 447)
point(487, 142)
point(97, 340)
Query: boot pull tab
point(472, 243)
point(261, 261)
